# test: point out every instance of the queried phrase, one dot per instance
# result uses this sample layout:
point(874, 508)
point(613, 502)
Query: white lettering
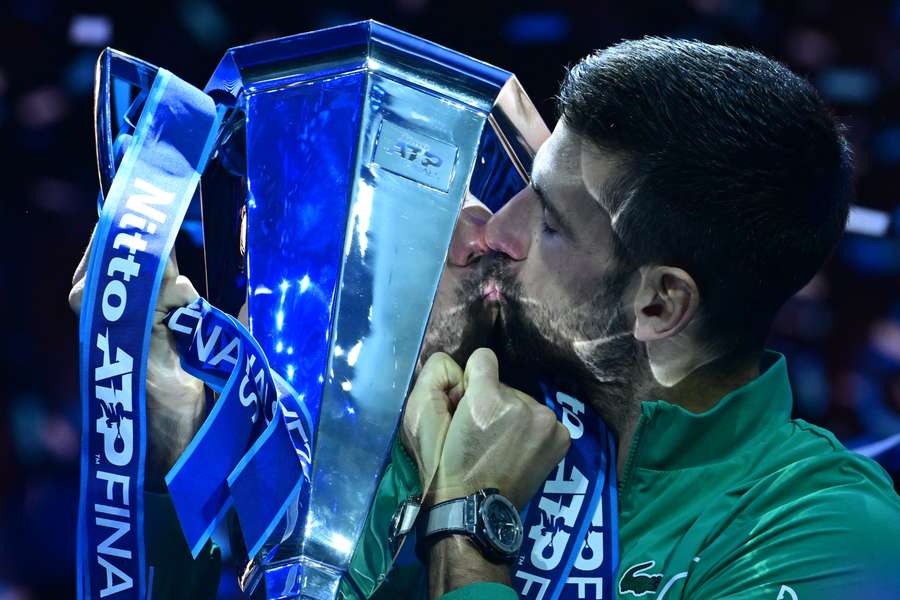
point(591, 556)
point(533, 579)
point(111, 479)
point(139, 203)
point(229, 353)
point(123, 365)
point(132, 220)
point(583, 582)
point(577, 483)
point(205, 347)
point(112, 510)
point(116, 398)
point(185, 311)
point(126, 266)
point(119, 528)
point(125, 582)
point(132, 241)
point(114, 289)
point(554, 541)
point(113, 424)
point(553, 538)
point(118, 440)
point(571, 409)
point(247, 400)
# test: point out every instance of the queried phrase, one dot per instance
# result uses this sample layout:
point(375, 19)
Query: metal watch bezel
point(485, 532)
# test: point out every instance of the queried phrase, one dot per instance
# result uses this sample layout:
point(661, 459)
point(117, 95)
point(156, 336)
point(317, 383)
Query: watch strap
point(404, 519)
point(447, 517)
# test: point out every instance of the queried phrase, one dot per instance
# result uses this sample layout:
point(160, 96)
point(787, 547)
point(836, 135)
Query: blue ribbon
point(253, 450)
point(570, 548)
point(242, 456)
point(137, 227)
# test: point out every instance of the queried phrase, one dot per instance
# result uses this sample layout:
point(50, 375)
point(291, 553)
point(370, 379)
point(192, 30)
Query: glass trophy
point(328, 207)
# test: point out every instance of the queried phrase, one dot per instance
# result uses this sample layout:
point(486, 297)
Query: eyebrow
point(550, 207)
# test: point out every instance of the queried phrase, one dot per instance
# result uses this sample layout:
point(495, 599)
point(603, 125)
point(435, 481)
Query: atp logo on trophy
point(415, 156)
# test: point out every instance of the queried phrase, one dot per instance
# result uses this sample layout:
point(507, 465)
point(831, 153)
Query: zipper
point(629, 462)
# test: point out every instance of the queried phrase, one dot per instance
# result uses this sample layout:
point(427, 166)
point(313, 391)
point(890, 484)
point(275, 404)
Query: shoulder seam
point(836, 446)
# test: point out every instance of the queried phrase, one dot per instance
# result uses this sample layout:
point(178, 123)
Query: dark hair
point(732, 168)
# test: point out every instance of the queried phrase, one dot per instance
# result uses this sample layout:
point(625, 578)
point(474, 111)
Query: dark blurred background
point(841, 333)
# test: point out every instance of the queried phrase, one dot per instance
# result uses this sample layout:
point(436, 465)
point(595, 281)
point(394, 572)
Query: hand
point(498, 438)
point(427, 414)
point(175, 399)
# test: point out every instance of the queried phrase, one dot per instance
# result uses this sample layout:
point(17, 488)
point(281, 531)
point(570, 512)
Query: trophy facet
point(328, 212)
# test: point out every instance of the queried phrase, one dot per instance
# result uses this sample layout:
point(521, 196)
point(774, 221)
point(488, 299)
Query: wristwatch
point(486, 517)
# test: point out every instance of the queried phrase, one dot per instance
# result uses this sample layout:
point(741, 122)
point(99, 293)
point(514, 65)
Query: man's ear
point(666, 300)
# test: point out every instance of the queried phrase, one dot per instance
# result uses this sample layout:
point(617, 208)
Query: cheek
point(563, 273)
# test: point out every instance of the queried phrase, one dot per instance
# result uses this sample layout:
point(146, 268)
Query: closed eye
point(553, 222)
point(546, 224)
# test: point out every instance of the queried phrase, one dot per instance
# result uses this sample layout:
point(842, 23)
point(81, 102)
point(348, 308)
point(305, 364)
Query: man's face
point(538, 281)
point(553, 273)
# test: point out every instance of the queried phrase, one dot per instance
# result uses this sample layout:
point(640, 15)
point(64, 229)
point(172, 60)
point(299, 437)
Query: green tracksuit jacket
point(740, 502)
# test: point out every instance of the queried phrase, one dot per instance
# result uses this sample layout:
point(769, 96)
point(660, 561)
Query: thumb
point(482, 370)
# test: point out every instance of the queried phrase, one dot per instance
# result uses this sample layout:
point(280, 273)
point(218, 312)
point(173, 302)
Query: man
point(687, 191)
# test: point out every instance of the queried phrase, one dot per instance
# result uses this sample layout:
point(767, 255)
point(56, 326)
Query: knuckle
point(437, 357)
point(517, 410)
point(563, 437)
point(184, 289)
point(75, 295)
point(183, 283)
point(544, 417)
point(437, 361)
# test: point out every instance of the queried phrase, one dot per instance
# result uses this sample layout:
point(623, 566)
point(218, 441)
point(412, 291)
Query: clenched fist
point(498, 438)
point(426, 418)
point(175, 399)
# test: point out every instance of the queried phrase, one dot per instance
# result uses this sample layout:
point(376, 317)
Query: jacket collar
point(670, 437)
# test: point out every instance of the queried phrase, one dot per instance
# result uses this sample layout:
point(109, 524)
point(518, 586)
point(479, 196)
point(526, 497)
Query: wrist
point(445, 488)
point(454, 562)
point(441, 493)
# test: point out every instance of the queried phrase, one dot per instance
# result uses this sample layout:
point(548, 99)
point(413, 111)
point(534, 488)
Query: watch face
point(502, 524)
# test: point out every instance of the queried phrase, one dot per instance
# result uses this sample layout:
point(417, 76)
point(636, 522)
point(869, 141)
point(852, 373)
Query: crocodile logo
point(637, 582)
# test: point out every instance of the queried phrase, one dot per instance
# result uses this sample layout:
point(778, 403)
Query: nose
point(468, 243)
point(509, 230)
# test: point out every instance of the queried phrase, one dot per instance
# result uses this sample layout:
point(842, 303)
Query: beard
point(463, 323)
point(588, 350)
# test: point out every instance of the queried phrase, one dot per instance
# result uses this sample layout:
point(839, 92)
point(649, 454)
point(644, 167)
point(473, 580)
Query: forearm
point(454, 562)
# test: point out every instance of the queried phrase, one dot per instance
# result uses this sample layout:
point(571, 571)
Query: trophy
point(328, 204)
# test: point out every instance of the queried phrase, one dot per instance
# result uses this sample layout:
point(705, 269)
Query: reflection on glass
point(329, 211)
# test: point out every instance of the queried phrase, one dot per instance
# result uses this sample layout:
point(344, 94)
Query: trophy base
point(297, 579)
